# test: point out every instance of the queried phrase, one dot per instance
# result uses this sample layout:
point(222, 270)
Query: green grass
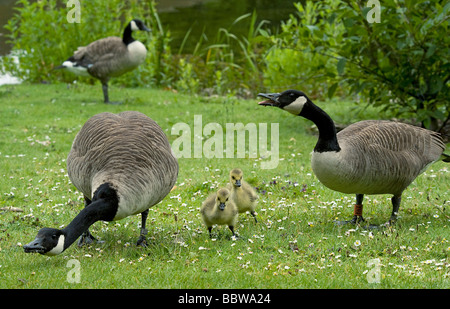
point(294, 245)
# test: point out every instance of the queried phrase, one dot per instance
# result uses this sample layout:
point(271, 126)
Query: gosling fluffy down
point(219, 209)
point(242, 193)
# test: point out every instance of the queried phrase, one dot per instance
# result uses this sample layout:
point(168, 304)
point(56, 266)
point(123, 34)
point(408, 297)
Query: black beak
point(222, 206)
point(147, 29)
point(238, 183)
point(272, 99)
point(34, 247)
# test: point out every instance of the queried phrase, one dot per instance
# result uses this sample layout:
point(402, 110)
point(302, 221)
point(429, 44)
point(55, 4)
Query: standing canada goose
point(123, 164)
point(243, 195)
point(109, 57)
point(367, 157)
point(219, 209)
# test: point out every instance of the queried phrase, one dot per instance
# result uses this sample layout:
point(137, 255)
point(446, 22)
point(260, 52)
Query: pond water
point(207, 17)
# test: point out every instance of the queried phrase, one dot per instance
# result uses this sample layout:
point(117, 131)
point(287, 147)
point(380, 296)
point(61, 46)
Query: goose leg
point(395, 206)
point(142, 241)
point(232, 230)
point(357, 212)
point(209, 230)
point(254, 216)
point(105, 94)
point(86, 238)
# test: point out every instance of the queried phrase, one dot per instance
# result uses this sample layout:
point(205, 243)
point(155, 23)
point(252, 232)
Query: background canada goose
point(123, 164)
point(367, 157)
point(243, 195)
point(109, 57)
point(219, 209)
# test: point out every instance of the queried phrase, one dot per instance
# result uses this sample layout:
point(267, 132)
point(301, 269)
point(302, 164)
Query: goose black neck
point(100, 209)
point(127, 37)
point(327, 130)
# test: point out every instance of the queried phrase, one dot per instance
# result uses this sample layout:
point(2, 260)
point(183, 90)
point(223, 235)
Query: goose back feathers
point(377, 157)
point(108, 57)
point(131, 153)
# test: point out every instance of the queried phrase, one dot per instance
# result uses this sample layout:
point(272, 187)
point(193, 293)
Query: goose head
point(222, 197)
point(236, 177)
point(292, 101)
point(134, 25)
point(297, 103)
point(138, 25)
point(48, 241)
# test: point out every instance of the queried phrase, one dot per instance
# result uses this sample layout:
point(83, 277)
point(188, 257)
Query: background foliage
point(327, 48)
point(400, 62)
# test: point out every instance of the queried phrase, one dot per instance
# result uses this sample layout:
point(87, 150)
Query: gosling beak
point(238, 183)
point(222, 206)
point(272, 99)
point(34, 247)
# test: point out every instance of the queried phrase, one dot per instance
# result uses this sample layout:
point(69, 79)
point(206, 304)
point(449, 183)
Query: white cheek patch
point(58, 248)
point(134, 27)
point(296, 106)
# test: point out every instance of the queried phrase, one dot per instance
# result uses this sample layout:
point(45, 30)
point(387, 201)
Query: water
point(207, 17)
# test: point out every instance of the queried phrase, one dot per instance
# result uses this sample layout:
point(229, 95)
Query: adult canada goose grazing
point(219, 209)
point(109, 57)
point(367, 157)
point(243, 195)
point(123, 164)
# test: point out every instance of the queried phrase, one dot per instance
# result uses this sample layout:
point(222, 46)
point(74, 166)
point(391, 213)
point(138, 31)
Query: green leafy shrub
point(400, 63)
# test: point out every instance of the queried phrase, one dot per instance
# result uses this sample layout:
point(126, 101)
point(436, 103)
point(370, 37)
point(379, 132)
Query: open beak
point(272, 99)
point(34, 247)
point(222, 206)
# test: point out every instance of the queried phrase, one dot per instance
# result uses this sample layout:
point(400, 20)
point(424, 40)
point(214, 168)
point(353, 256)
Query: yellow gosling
point(242, 193)
point(219, 209)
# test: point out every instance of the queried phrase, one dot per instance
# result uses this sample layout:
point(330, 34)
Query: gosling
point(242, 193)
point(219, 209)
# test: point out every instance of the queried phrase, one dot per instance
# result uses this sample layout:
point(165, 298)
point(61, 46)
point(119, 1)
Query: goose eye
point(54, 236)
point(226, 200)
point(233, 177)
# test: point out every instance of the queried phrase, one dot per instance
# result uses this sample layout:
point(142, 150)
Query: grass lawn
point(295, 244)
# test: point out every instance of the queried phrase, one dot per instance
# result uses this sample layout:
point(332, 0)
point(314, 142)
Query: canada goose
point(123, 164)
point(219, 209)
point(109, 57)
point(243, 195)
point(367, 157)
